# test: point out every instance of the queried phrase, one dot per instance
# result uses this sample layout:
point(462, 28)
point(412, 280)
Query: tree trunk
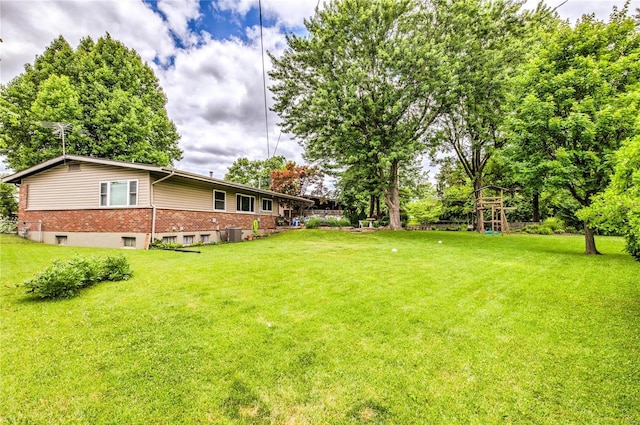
point(371, 205)
point(590, 241)
point(535, 205)
point(477, 185)
point(392, 198)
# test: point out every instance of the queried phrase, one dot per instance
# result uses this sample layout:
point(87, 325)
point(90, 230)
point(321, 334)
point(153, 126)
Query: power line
point(264, 81)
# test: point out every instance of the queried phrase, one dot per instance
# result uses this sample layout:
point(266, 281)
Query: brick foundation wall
point(138, 220)
point(193, 221)
point(126, 220)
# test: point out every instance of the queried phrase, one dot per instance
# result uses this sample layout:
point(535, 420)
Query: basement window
point(129, 242)
point(204, 238)
point(61, 239)
point(168, 239)
point(187, 240)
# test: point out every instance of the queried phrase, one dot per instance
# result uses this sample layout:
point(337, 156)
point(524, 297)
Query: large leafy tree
point(484, 41)
point(110, 100)
point(617, 209)
point(578, 100)
point(256, 173)
point(361, 89)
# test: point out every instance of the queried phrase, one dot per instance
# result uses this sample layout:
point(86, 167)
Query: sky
point(206, 55)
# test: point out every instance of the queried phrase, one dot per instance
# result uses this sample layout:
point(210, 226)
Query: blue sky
point(207, 57)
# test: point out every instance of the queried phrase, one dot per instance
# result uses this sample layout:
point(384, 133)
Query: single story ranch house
point(86, 201)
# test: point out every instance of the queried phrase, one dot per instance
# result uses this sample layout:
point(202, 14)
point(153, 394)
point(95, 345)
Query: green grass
point(315, 327)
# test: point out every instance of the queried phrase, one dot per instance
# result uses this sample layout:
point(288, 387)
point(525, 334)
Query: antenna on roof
point(58, 129)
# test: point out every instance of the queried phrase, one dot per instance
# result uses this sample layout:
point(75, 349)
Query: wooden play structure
point(494, 205)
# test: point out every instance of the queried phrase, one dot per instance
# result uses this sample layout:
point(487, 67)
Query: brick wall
point(190, 221)
point(126, 220)
point(138, 220)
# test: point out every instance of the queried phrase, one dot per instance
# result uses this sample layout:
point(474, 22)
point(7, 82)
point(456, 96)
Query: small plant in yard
point(65, 279)
point(313, 223)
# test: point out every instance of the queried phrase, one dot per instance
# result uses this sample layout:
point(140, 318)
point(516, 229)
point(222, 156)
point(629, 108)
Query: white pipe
point(153, 205)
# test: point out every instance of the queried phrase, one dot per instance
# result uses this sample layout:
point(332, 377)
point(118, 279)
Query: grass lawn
point(329, 327)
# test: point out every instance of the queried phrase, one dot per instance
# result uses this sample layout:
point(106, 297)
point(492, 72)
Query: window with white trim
point(204, 238)
point(169, 239)
point(267, 204)
point(187, 240)
point(245, 203)
point(219, 200)
point(121, 193)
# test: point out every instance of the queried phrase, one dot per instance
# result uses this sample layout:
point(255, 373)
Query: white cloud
point(214, 87)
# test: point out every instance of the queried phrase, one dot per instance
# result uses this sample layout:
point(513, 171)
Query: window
point(61, 240)
point(119, 193)
point(187, 240)
point(168, 239)
point(219, 200)
point(267, 204)
point(204, 238)
point(129, 242)
point(245, 203)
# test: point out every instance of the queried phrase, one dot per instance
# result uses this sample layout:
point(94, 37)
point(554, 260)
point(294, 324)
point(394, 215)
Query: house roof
point(169, 171)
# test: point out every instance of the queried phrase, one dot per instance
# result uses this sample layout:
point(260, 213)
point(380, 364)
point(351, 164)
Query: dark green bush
point(116, 268)
point(64, 280)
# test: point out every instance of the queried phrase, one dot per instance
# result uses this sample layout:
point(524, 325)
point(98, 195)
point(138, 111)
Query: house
point(86, 201)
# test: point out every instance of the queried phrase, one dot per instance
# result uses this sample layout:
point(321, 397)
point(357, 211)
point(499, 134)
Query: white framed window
point(168, 239)
point(204, 238)
point(187, 240)
point(219, 200)
point(267, 204)
point(129, 242)
point(245, 203)
point(121, 193)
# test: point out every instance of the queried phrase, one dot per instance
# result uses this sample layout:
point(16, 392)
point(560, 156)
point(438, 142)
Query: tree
point(617, 209)
point(111, 100)
point(255, 173)
point(425, 210)
point(484, 41)
point(361, 89)
point(295, 179)
point(577, 101)
point(8, 202)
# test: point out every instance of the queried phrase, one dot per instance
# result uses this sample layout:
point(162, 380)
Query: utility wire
point(264, 82)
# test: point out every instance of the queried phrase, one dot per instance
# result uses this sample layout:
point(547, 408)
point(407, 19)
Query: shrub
point(116, 268)
point(333, 222)
point(344, 222)
point(64, 280)
point(313, 223)
point(555, 224)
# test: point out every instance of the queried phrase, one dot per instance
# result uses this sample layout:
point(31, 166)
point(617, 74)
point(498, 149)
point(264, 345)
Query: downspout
point(153, 205)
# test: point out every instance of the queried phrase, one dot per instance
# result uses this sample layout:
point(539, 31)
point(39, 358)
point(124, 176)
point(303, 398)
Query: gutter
point(153, 205)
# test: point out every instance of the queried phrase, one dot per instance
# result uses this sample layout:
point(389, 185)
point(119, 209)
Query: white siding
point(60, 188)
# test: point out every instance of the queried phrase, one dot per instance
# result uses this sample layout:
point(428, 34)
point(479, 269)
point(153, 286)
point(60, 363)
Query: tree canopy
point(618, 207)
point(362, 88)
point(578, 99)
point(111, 101)
point(484, 42)
point(256, 173)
